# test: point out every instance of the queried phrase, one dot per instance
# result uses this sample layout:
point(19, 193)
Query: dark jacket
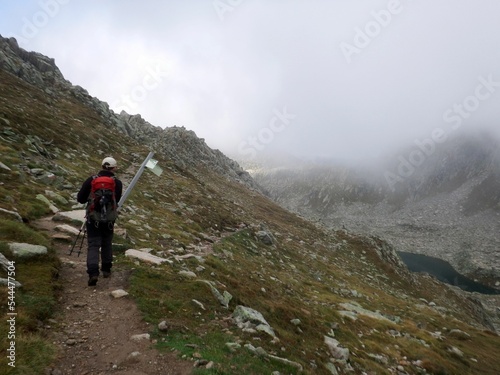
point(84, 193)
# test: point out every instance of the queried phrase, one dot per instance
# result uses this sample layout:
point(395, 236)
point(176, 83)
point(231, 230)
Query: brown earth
point(92, 330)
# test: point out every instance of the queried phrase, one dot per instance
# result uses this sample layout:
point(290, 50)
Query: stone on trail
point(140, 337)
point(75, 215)
point(119, 293)
point(67, 229)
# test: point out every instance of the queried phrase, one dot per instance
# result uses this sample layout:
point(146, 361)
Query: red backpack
point(102, 205)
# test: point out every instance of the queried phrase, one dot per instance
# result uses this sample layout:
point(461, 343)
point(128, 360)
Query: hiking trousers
point(99, 237)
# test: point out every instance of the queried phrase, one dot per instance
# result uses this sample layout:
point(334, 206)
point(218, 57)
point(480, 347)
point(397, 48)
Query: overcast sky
point(329, 78)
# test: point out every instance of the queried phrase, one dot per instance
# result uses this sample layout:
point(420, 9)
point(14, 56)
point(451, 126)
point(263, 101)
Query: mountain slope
point(448, 207)
point(333, 301)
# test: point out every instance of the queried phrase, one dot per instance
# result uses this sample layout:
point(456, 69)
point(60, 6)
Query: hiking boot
point(93, 280)
point(106, 274)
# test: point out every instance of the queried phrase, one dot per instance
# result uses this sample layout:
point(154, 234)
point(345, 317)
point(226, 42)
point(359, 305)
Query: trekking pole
point(76, 239)
point(83, 239)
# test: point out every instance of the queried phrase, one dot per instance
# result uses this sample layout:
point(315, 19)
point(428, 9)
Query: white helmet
point(108, 162)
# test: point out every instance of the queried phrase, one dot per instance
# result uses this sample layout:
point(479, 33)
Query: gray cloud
point(225, 71)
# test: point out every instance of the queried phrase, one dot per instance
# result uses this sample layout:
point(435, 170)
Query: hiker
point(101, 192)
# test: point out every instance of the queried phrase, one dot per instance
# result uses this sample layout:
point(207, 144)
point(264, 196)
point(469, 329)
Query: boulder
point(26, 250)
point(75, 215)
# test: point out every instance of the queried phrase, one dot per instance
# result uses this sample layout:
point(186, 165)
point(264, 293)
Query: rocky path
point(98, 334)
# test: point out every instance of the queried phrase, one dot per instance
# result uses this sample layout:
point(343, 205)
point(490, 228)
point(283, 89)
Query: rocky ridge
point(177, 143)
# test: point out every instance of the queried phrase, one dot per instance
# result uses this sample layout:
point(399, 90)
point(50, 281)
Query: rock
point(145, 250)
point(352, 309)
point(26, 250)
point(199, 304)
point(71, 342)
point(140, 337)
point(266, 329)
point(459, 334)
point(75, 215)
point(132, 358)
point(331, 367)
point(37, 171)
point(148, 258)
point(52, 208)
point(3, 166)
point(163, 326)
point(4, 262)
point(243, 314)
point(15, 215)
point(188, 274)
point(223, 298)
point(233, 346)
point(456, 351)
point(119, 293)
point(56, 197)
point(336, 351)
point(197, 355)
point(262, 353)
point(67, 229)
point(379, 358)
point(247, 314)
point(61, 237)
point(265, 237)
point(285, 361)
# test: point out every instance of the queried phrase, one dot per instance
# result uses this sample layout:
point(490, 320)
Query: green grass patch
point(33, 354)
point(35, 301)
point(18, 232)
point(211, 346)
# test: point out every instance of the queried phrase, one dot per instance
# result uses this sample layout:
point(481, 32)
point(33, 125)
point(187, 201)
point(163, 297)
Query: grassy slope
point(305, 275)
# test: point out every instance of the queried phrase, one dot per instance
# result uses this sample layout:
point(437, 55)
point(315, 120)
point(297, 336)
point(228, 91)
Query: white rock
point(67, 229)
point(77, 215)
point(119, 293)
point(3, 166)
point(13, 213)
point(188, 274)
point(148, 258)
point(336, 351)
point(163, 326)
point(26, 250)
point(199, 304)
point(140, 337)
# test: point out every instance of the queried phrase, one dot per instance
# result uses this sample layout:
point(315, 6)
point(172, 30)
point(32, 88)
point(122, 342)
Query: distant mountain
point(447, 205)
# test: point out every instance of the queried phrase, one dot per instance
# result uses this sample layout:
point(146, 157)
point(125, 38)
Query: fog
point(331, 79)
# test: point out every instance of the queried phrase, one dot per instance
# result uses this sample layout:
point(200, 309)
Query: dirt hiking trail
point(93, 330)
